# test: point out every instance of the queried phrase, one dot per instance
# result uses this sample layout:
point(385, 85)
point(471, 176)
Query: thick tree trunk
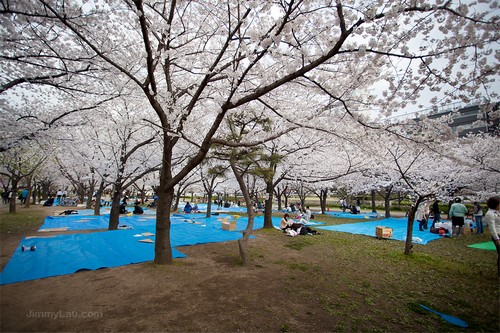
point(163, 248)
point(209, 205)
point(114, 214)
point(268, 209)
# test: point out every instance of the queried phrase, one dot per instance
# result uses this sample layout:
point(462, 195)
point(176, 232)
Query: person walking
point(6, 197)
point(23, 196)
point(477, 216)
point(422, 215)
point(492, 218)
point(457, 213)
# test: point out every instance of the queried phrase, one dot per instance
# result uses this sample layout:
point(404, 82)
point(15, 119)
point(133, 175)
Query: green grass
point(299, 243)
point(20, 222)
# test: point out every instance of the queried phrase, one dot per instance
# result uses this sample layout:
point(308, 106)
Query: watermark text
point(64, 314)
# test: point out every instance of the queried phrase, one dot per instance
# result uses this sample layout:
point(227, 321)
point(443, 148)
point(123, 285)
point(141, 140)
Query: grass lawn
point(333, 282)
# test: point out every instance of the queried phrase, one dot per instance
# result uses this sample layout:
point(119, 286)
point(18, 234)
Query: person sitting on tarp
point(49, 202)
point(188, 208)
point(354, 210)
point(138, 209)
point(195, 208)
point(444, 225)
point(292, 228)
point(287, 223)
point(69, 212)
point(123, 208)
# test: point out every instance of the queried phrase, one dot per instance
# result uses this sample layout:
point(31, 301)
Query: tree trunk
point(243, 246)
point(81, 193)
point(286, 199)
point(243, 242)
point(387, 205)
point(13, 198)
point(143, 193)
point(90, 195)
point(176, 199)
point(409, 230)
point(114, 214)
point(322, 200)
point(278, 195)
point(34, 194)
point(27, 199)
point(374, 206)
point(163, 248)
point(387, 201)
point(268, 208)
point(209, 204)
point(97, 208)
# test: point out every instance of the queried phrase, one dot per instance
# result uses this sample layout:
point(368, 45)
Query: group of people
point(353, 209)
point(23, 196)
point(456, 213)
point(226, 204)
point(190, 209)
point(137, 208)
point(301, 213)
point(293, 228)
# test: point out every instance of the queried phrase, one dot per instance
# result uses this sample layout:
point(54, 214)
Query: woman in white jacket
point(492, 218)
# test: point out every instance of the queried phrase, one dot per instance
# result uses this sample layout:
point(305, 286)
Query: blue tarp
point(398, 225)
point(92, 222)
point(70, 253)
point(66, 254)
point(355, 216)
point(214, 208)
point(76, 222)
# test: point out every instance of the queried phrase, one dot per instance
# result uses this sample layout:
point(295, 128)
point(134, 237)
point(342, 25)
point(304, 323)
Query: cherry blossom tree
point(19, 164)
point(197, 62)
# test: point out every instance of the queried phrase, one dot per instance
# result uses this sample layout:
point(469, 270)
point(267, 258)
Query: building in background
point(471, 119)
point(478, 116)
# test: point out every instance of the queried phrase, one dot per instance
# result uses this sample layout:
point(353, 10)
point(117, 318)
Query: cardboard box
point(229, 226)
point(383, 232)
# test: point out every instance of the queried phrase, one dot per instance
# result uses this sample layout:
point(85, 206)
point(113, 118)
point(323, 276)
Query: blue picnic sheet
point(354, 216)
point(93, 222)
point(398, 225)
point(70, 253)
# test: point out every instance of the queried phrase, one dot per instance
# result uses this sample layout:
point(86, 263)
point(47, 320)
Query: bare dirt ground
point(333, 282)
